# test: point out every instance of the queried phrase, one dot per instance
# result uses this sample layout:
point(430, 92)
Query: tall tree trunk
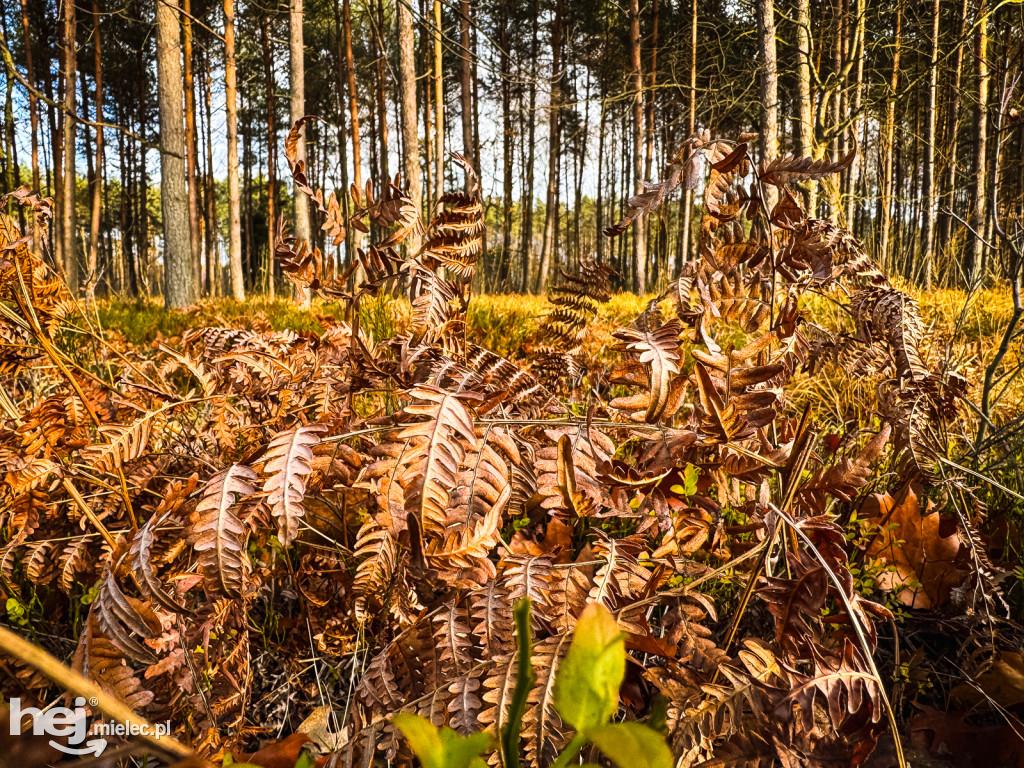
point(980, 218)
point(426, 41)
point(297, 89)
point(639, 226)
point(381, 83)
point(271, 87)
point(178, 284)
point(97, 178)
point(67, 210)
point(687, 202)
point(768, 82)
point(599, 207)
point(142, 249)
point(554, 147)
point(33, 117)
point(953, 134)
point(649, 139)
point(191, 148)
point(234, 201)
point(339, 68)
point(928, 172)
point(213, 286)
point(853, 175)
point(124, 170)
point(466, 84)
point(888, 137)
point(651, 93)
point(410, 123)
point(805, 127)
point(530, 265)
point(507, 157)
point(438, 105)
point(353, 103)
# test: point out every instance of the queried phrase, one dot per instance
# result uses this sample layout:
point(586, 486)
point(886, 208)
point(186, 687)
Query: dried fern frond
point(286, 466)
point(218, 534)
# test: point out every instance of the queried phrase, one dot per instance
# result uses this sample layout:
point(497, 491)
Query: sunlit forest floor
point(962, 328)
point(969, 327)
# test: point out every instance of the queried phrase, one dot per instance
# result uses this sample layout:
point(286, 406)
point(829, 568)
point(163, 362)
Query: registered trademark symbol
point(93, 701)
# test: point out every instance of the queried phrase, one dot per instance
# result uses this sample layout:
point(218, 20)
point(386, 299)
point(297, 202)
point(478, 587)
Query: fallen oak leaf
point(925, 561)
point(281, 754)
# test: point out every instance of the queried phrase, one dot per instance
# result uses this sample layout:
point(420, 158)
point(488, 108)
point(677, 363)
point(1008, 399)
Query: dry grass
point(963, 328)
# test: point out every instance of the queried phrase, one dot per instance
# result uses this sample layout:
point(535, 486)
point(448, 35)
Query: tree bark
point(853, 175)
point(507, 156)
point(805, 126)
point(928, 171)
point(381, 83)
point(651, 93)
point(33, 117)
point(410, 123)
point(234, 200)
point(297, 88)
point(438, 105)
point(979, 219)
point(97, 178)
point(191, 148)
point(213, 286)
point(953, 134)
point(353, 103)
point(67, 209)
point(554, 147)
point(768, 82)
point(639, 226)
point(529, 264)
point(339, 69)
point(466, 84)
point(178, 285)
point(271, 86)
point(888, 137)
point(687, 201)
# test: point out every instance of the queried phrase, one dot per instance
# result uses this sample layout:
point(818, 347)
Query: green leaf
point(632, 745)
point(441, 749)
point(588, 679)
point(690, 475)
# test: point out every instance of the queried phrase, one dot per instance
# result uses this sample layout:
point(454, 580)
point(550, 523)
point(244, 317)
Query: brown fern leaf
point(842, 479)
point(655, 193)
point(218, 535)
point(657, 350)
point(101, 658)
point(125, 443)
point(37, 561)
point(379, 551)
point(334, 223)
point(575, 298)
point(542, 728)
point(437, 448)
point(286, 466)
point(455, 236)
point(568, 472)
point(491, 614)
point(118, 615)
point(74, 560)
point(437, 309)
point(783, 171)
point(146, 580)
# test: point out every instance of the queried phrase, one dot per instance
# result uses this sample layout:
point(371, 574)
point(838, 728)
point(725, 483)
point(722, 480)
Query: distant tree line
point(170, 118)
